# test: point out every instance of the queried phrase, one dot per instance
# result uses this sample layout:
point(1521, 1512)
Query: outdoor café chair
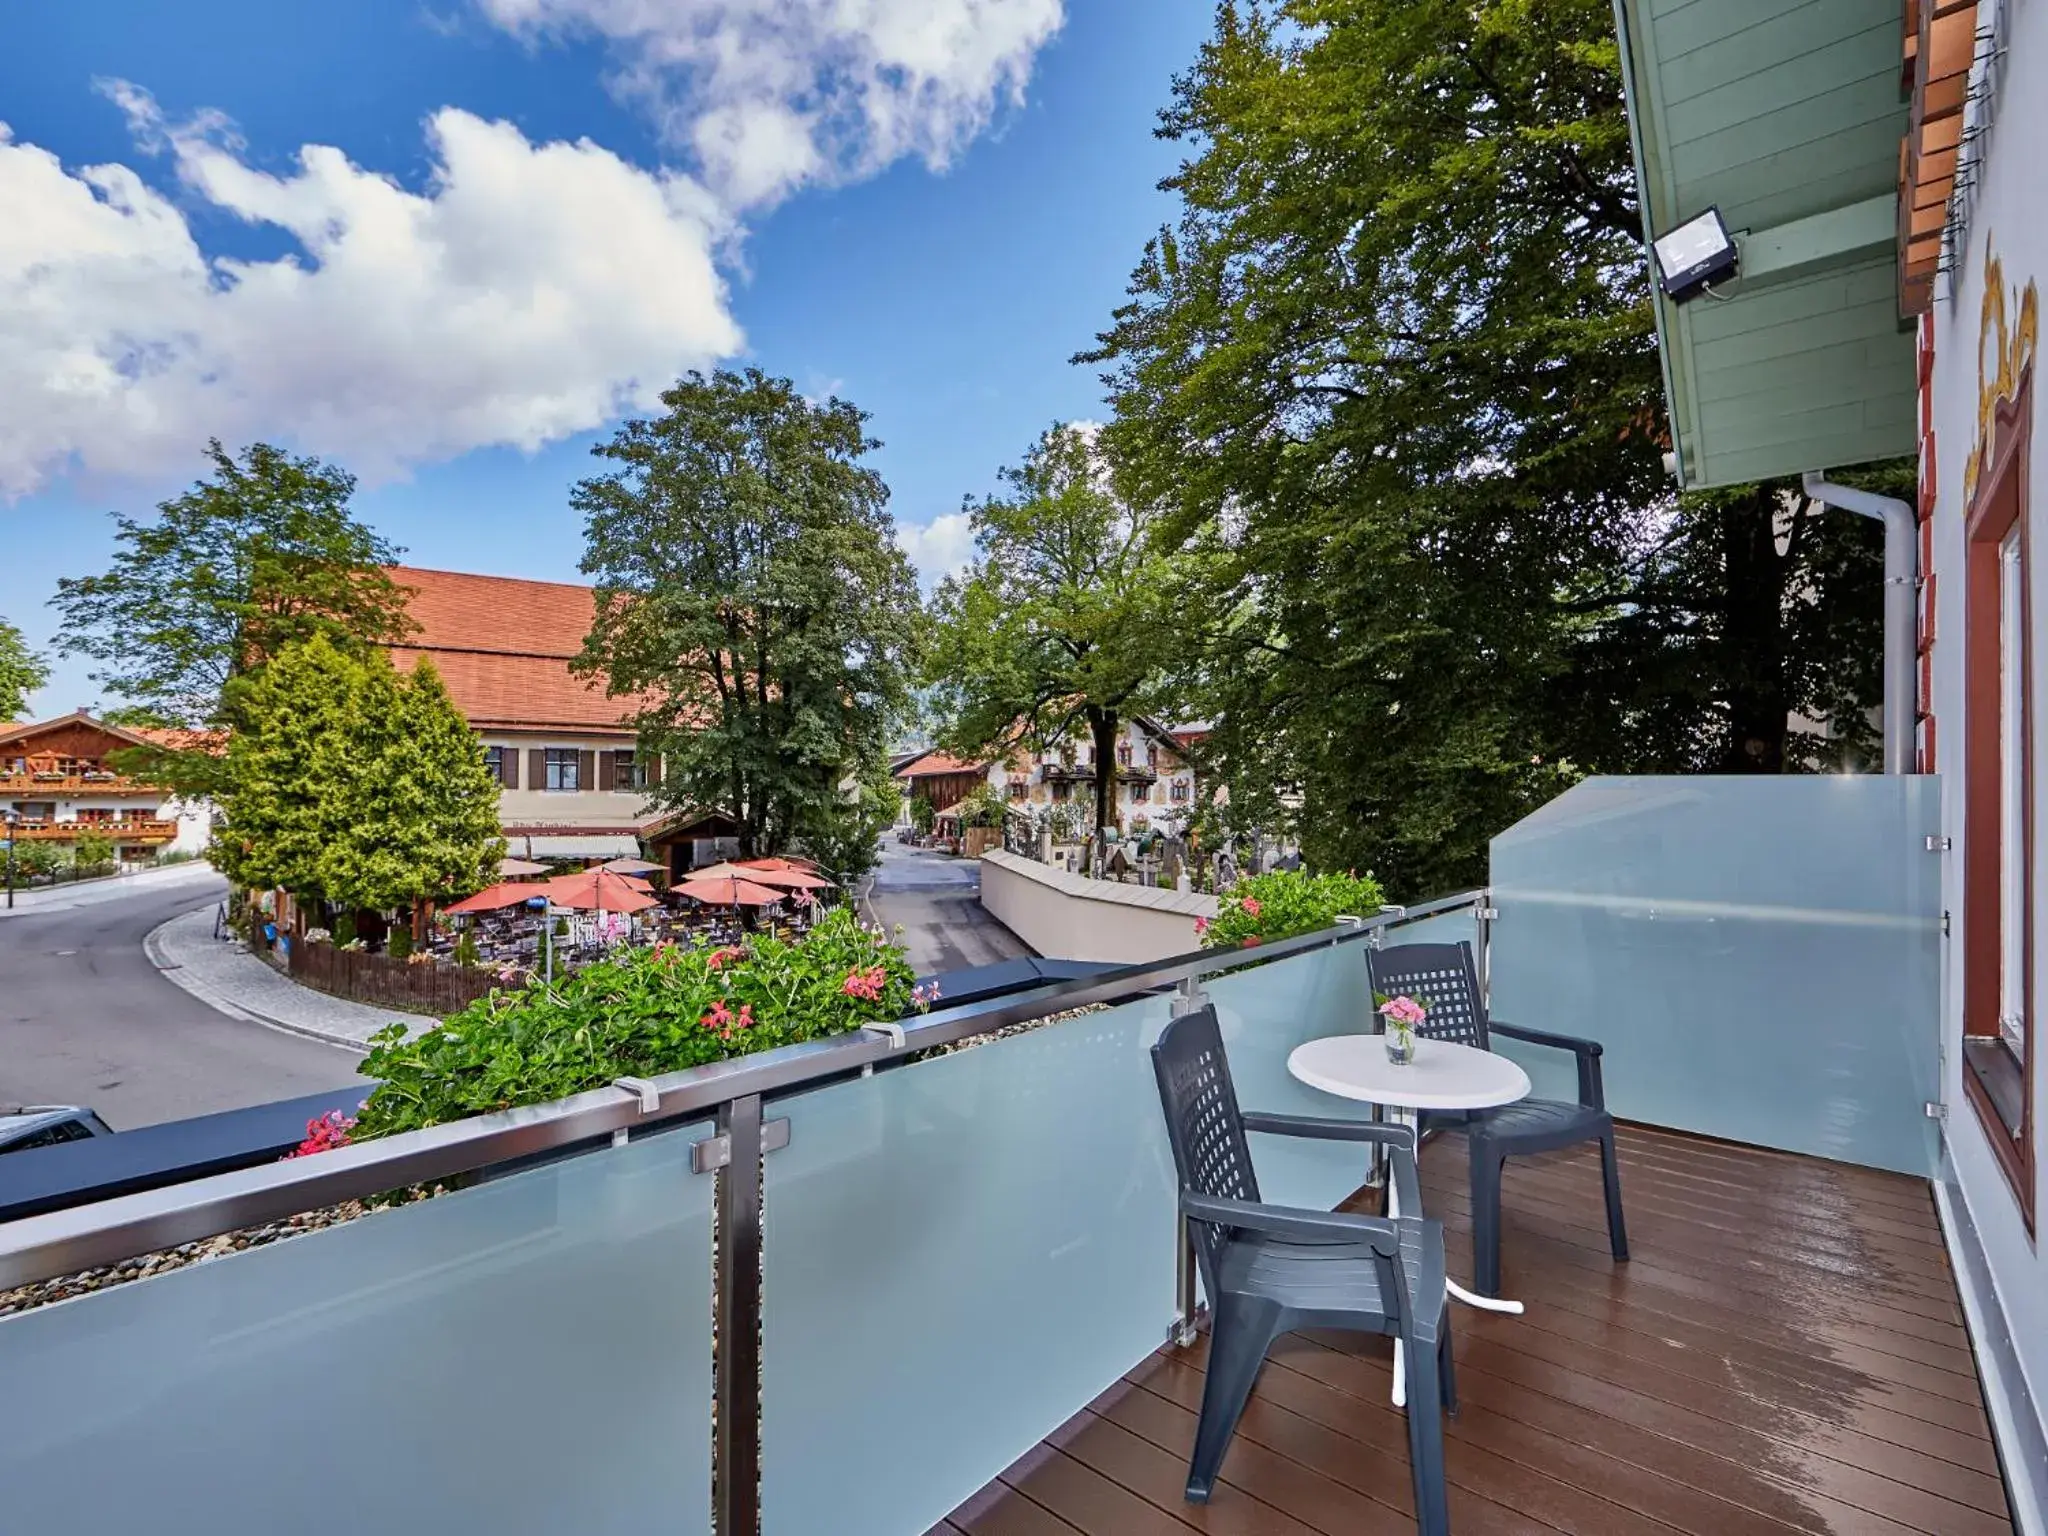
point(1270, 1269)
point(1441, 977)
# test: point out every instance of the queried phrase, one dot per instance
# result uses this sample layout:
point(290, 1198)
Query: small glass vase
point(1401, 1047)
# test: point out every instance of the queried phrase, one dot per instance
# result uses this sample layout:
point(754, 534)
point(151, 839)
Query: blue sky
point(531, 213)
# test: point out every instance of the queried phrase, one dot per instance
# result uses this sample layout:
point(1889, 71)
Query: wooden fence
point(382, 982)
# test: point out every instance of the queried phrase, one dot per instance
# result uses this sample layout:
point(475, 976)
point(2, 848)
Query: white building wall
point(532, 805)
point(2008, 220)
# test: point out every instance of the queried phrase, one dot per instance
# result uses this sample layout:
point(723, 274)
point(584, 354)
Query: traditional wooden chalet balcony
point(1084, 773)
point(133, 830)
point(69, 784)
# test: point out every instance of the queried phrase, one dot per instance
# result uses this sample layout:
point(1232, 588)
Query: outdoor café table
point(1443, 1075)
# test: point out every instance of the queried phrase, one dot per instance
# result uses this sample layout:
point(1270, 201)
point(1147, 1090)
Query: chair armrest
point(1592, 1092)
point(1294, 1222)
point(1398, 1139)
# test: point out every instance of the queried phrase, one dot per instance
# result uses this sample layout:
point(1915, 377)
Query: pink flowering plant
point(1261, 908)
point(639, 1013)
point(325, 1133)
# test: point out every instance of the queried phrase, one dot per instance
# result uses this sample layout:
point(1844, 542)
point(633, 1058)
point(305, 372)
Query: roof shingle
point(503, 644)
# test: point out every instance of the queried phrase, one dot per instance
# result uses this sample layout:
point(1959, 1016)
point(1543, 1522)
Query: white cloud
point(940, 547)
point(526, 292)
point(771, 95)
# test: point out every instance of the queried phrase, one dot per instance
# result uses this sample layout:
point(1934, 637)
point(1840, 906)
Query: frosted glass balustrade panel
point(960, 1254)
point(1760, 955)
point(525, 1358)
point(1265, 1014)
point(1457, 926)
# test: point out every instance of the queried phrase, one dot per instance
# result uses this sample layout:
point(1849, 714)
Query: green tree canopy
point(22, 672)
point(1393, 372)
point(415, 810)
point(349, 783)
point(258, 556)
point(753, 609)
point(281, 791)
point(1066, 622)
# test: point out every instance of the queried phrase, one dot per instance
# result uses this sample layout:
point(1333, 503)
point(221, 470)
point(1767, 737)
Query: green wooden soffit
point(1786, 116)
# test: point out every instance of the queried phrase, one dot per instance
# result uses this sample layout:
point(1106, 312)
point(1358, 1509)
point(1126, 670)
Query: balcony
point(132, 830)
point(66, 784)
point(936, 1292)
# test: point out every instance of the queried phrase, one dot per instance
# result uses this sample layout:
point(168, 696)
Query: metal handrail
point(111, 1231)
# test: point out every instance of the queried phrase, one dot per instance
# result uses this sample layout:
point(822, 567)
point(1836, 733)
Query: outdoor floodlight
point(1693, 255)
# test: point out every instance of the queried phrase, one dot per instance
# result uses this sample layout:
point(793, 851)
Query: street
point(937, 899)
point(85, 1018)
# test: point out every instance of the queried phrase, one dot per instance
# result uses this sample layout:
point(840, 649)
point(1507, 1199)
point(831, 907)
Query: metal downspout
point(1901, 597)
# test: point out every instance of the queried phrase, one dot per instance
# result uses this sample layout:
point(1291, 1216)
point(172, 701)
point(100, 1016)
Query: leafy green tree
point(752, 606)
point(846, 839)
point(22, 672)
point(414, 811)
point(280, 800)
point(260, 555)
point(1392, 370)
point(1067, 620)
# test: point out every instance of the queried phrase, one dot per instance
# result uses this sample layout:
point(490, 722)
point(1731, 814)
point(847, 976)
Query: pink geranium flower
point(329, 1131)
point(1251, 906)
point(866, 985)
point(1201, 926)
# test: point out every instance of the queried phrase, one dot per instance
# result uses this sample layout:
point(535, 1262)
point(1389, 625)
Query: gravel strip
point(42, 1293)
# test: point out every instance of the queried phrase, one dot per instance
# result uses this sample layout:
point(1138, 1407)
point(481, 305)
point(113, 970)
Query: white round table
point(1443, 1075)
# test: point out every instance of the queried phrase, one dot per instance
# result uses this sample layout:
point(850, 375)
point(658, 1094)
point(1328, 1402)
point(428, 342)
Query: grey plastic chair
point(1270, 1269)
point(1441, 977)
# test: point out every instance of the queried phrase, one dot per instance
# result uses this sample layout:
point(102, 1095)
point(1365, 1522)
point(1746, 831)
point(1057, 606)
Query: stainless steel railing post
point(736, 1369)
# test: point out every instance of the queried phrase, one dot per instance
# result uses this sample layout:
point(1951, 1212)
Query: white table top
point(1443, 1075)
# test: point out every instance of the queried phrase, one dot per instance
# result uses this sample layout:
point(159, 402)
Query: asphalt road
point(86, 1019)
point(937, 899)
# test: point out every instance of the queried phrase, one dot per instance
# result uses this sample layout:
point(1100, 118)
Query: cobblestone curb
point(223, 974)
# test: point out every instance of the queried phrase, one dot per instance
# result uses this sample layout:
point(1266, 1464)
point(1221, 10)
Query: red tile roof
point(502, 644)
point(933, 763)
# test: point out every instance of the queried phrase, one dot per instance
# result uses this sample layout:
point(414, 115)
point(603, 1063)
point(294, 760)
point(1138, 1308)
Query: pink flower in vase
point(1403, 1012)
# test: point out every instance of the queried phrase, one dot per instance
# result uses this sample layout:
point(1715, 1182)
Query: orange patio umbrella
point(790, 879)
point(729, 891)
point(596, 889)
point(493, 897)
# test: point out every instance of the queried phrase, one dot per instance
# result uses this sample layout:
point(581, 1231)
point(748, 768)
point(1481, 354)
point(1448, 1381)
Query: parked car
point(23, 1126)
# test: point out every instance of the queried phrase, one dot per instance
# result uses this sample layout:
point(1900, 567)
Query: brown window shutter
point(508, 767)
point(536, 768)
point(608, 770)
point(586, 769)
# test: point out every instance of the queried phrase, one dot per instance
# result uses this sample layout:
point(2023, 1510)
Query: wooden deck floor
point(1784, 1353)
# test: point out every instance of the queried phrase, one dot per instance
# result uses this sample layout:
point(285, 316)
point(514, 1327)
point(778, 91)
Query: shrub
point(35, 861)
point(637, 1014)
point(399, 943)
point(1287, 902)
point(923, 813)
point(984, 806)
point(345, 930)
point(92, 853)
point(465, 950)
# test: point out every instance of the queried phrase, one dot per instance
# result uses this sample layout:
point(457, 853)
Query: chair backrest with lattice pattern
point(1441, 978)
point(1202, 1121)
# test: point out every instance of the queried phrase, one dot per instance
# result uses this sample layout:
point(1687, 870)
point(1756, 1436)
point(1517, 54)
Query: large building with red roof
point(571, 786)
